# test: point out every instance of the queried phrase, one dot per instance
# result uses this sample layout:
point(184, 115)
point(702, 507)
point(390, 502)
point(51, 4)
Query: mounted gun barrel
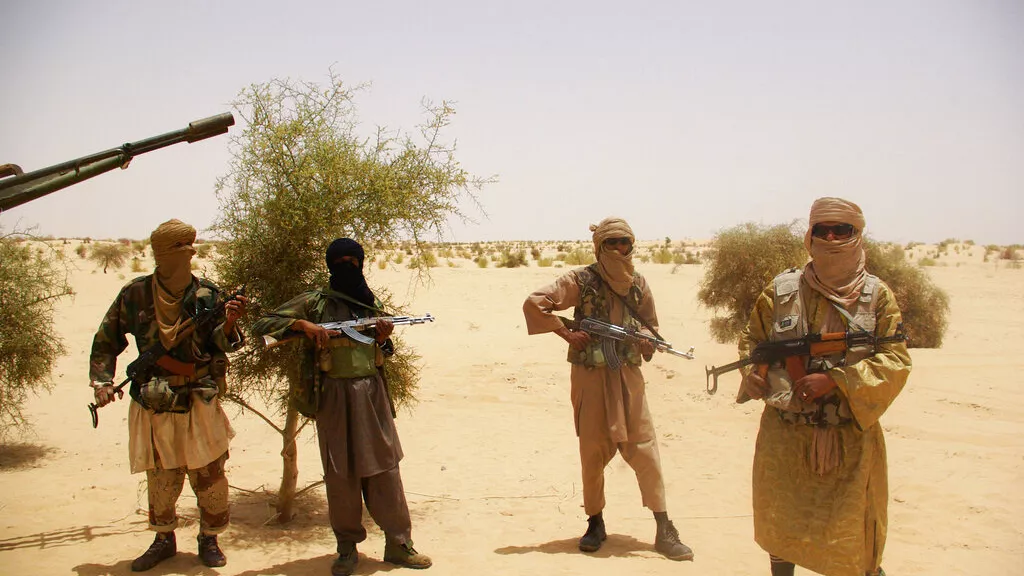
point(18, 187)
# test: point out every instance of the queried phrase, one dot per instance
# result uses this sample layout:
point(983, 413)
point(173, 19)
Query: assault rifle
point(156, 355)
point(17, 188)
point(351, 328)
point(793, 350)
point(610, 332)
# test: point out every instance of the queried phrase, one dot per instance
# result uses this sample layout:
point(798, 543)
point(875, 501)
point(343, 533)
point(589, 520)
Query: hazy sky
point(682, 117)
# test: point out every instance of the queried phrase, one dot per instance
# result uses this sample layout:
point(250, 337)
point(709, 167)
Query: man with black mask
point(359, 445)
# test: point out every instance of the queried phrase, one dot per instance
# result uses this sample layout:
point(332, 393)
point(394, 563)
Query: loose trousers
point(210, 486)
point(385, 501)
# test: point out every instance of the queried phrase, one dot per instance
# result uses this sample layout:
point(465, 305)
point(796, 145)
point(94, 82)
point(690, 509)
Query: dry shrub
point(482, 261)
point(108, 255)
point(743, 260)
point(740, 262)
point(203, 250)
point(580, 257)
point(30, 346)
point(925, 307)
point(513, 259)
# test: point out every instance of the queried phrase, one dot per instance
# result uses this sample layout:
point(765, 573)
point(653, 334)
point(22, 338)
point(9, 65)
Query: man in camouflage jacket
point(177, 427)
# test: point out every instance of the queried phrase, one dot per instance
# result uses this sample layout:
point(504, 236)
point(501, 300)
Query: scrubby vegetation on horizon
point(742, 261)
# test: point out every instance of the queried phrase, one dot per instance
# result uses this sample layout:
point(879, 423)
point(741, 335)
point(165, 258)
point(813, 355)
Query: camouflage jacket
point(132, 313)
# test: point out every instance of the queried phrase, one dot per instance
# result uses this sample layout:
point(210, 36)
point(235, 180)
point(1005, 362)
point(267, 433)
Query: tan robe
point(834, 524)
point(609, 406)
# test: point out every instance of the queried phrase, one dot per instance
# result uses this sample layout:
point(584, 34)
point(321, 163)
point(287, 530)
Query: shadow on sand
point(19, 456)
point(616, 545)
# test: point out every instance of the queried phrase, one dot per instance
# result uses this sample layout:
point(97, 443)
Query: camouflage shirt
point(133, 313)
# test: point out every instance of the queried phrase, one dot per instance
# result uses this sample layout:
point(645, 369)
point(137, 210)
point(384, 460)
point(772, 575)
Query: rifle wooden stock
point(794, 351)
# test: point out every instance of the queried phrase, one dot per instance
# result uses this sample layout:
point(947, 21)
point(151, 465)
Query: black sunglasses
point(838, 230)
point(615, 241)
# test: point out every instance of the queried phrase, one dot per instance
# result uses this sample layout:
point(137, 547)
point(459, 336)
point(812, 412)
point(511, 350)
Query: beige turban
point(616, 269)
point(173, 251)
point(836, 268)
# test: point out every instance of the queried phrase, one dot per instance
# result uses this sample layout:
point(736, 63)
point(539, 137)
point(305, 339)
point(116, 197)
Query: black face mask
point(347, 278)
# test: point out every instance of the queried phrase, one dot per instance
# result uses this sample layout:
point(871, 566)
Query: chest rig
point(596, 302)
point(790, 321)
point(344, 357)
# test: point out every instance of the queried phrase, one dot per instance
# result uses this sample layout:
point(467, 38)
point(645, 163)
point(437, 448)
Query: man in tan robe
point(608, 400)
point(176, 425)
point(820, 486)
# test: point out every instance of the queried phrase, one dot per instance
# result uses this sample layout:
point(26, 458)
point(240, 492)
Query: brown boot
point(163, 547)
point(666, 541)
point(209, 552)
point(405, 555)
point(347, 559)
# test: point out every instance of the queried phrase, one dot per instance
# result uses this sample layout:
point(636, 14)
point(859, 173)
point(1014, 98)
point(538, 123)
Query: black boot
point(591, 541)
point(209, 552)
point(666, 540)
point(782, 568)
point(162, 548)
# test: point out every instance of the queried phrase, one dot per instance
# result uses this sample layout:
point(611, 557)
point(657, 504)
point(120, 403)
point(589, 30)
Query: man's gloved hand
point(104, 393)
point(754, 385)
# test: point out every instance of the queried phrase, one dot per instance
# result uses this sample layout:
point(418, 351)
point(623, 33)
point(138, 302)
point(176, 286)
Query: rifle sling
point(176, 367)
point(629, 308)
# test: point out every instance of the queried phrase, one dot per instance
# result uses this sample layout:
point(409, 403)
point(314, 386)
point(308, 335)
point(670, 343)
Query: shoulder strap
point(629, 308)
point(351, 300)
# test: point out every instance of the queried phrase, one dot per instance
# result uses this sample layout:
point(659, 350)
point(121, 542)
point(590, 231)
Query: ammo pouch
point(159, 396)
point(174, 393)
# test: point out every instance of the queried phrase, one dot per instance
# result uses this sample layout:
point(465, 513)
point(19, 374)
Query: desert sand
point(491, 469)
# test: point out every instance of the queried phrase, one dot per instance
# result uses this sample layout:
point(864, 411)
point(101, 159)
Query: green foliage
point(535, 252)
point(545, 262)
point(482, 261)
point(926, 262)
point(662, 255)
point(740, 262)
point(30, 286)
point(924, 306)
point(425, 259)
point(580, 256)
point(513, 259)
point(81, 250)
point(108, 255)
point(300, 176)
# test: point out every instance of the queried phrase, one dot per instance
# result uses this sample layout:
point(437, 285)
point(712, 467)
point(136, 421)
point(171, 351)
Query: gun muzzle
point(209, 127)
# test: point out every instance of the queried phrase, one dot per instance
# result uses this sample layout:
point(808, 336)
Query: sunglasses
point(612, 242)
point(839, 231)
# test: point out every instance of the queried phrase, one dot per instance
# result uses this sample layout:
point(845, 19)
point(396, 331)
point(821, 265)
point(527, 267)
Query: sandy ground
point(491, 468)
